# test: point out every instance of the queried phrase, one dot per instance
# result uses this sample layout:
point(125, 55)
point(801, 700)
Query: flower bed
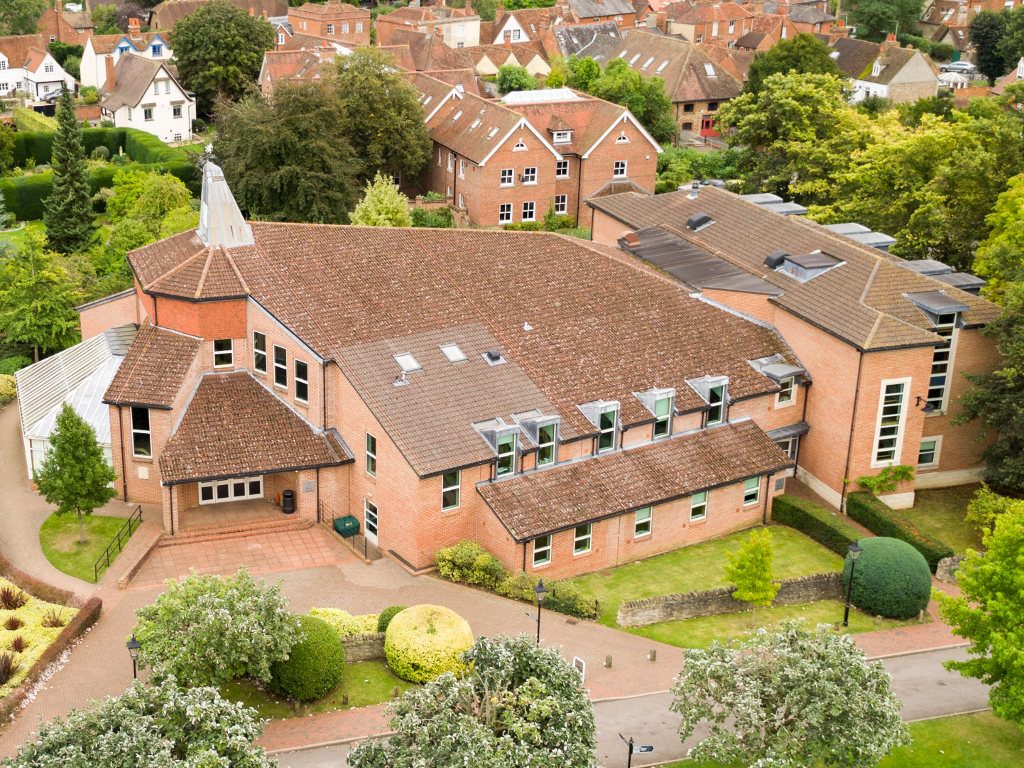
point(29, 623)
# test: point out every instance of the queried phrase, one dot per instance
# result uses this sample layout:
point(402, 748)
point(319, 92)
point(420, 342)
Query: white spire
point(220, 220)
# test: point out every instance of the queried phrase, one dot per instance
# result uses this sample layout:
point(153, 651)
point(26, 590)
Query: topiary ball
point(425, 641)
point(385, 617)
point(314, 666)
point(891, 579)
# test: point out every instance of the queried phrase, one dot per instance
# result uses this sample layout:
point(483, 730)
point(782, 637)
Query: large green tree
point(512, 77)
point(105, 19)
point(803, 54)
point(788, 699)
point(986, 33)
point(381, 114)
point(287, 159)
point(219, 51)
point(989, 612)
point(643, 96)
point(21, 17)
point(580, 72)
point(68, 209)
point(875, 19)
point(383, 205)
point(1000, 256)
point(75, 476)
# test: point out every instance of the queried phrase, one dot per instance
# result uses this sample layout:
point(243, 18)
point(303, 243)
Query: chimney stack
point(111, 80)
point(134, 27)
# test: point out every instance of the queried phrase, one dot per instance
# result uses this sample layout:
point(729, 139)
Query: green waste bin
point(346, 526)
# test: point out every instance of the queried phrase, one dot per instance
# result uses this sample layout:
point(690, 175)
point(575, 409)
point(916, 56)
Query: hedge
point(26, 119)
point(882, 520)
point(425, 641)
point(891, 578)
point(809, 518)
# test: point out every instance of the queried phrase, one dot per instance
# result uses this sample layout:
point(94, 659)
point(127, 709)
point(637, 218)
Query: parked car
point(963, 67)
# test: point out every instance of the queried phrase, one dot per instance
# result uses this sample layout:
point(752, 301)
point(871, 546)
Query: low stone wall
point(712, 602)
point(364, 647)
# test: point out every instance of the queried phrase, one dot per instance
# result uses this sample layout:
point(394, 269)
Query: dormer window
point(543, 432)
point(716, 405)
point(876, 68)
point(660, 402)
point(802, 267)
point(604, 415)
point(562, 137)
point(506, 447)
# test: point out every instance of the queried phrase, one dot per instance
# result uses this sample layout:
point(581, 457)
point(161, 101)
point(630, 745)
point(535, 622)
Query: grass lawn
point(59, 540)
point(981, 740)
point(940, 513)
point(700, 566)
point(17, 238)
point(365, 683)
point(699, 633)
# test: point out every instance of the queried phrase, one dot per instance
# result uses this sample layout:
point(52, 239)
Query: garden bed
point(33, 616)
point(59, 540)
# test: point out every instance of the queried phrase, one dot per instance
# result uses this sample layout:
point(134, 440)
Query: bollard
point(608, 661)
point(653, 655)
point(344, 699)
point(394, 693)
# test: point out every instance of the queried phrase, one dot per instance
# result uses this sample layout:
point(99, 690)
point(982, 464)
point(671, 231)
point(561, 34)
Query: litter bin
point(288, 502)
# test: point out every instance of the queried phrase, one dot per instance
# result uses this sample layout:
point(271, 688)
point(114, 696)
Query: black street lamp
point(854, 551)
point(541, 592)
point(133, 650)
point(634, 747)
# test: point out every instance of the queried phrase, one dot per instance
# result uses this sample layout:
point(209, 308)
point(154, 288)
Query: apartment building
point(886, 342)
point(338, 22)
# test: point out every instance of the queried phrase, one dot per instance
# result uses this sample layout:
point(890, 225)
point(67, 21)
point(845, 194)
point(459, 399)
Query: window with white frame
point(359, 26)
point(561, 169)
point(751, 491)
point(716, 404)
point(699, 39)
point(891, 412)
point(529, 211)
point(280, 366)
point(280, 38)
point(505, 213)
point(542, 550)
point(607, 429)
point(942, 358)
point(301, 381)
point(176, 112)
point(344, 28)
point(547, 435)
point(561, 204)
point(223, 353)
point(622, 139)
point(259, 351)
point(619, 169)
point(562, 137)
point(48, 69)
point(462, 201)
point(663, 417)
point(520, 146)
point(786, 390)
point(330, 29)
point(371, 455)
point(789, 446)
point(506, 463)
point(516, 34)
point(231, 489)
point(530, 175)
point(450, 490)
point(508, 177)
point(928, 453)
point(732, 27)
point(643, 519)
point(699, 506)
point(147, 113)
point(142, 438)
point(462, 168)
point(451, 161)
point(370, 519)
point(581, 539)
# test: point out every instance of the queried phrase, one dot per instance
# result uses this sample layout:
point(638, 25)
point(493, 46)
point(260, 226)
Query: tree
point(75, 476)
point(643, 96)
point(286, 159)
point(875, 19)
point(6, 148)
point(150, 725)
point(986, 32)
point(383, 205)
point(1011, 46)
point(208, 630)
point(21, 17)
point(219, 50)
point(146, 197)
point(512, 77)
point(68, 209)
point(749, 570)
point(986, 505)
point(37, 300)
point(990, 614)
point(105, 19)
point(1000, 256)
point(381, 114)
point(518, 706)
point(803, 54)
point(787, 699)
point(580, 72)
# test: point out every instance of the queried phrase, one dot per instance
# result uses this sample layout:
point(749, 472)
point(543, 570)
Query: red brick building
point(71, 28)
point(338, 22)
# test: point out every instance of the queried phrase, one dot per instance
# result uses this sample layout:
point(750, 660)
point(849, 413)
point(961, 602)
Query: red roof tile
point(154, 368)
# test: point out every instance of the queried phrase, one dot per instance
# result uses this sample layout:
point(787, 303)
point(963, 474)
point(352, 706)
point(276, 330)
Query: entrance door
point(233, 489)
point(707, 126)
point(370, 521)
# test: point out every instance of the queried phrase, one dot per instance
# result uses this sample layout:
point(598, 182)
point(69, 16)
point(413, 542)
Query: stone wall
point(364, 647)
point(712, 602)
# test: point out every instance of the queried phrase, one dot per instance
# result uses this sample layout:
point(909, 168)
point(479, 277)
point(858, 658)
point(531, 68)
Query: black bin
point(288, 502)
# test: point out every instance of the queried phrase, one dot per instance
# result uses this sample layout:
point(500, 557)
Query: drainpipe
point(172, 508)
point(323, 394)
point(767, 493)
point(524, 557)
point(849, 445)
point(124, 471)
point(318, 494)
point(579, 192)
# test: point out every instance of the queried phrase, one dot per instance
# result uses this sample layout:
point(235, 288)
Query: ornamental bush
point(344, 623)
point(469, 563)
point(7, 389)
point(315, 665)
point(815, 521)
point(882, 520)
point(385, 617)
point(425, 641)
point(892, 579)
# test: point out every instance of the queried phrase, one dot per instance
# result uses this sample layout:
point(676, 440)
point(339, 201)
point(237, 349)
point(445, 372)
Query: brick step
point(235, 530)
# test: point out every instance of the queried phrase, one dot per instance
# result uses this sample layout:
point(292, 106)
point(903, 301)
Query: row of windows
point(344, 27)
point(259, 363)
point(147, 113)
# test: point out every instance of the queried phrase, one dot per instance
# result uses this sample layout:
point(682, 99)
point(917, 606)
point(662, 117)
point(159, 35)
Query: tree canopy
point(68, 209)
point(986, 33)
point(383, 205)
point(803, 54)
point(750, 570)
point(875, 19)
point(512, 77)
point(21, 17)
point(643, 96)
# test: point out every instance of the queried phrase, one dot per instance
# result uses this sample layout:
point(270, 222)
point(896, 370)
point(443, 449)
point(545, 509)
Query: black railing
point(134, 521)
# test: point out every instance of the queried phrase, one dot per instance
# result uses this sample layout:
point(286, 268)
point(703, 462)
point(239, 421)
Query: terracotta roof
point(234, 426)
point(499, 54)
point(862, 301)
point(35, 58)
point(857, 57)
point(583, 491)
point(133, 75)
point(402, 55)
point(684, 13)
point(809, 13)
point(467, 78)
point(170, 12)
point(330, 10)
point(735, 61)
point(594, 9)
point(283, 65)
point(473, 126)
point(429, 51)
point(154, 368)
point(16, 48)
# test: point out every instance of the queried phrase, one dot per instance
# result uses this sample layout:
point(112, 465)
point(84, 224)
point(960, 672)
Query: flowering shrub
point(426, 641)
point(344, 623)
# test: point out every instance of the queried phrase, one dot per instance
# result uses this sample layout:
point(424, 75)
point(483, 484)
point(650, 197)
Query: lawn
point(698, 633)
point(59, 540)
point(17, 238)
point(365, 683)
point(700, 566)
point(940, 513)
point(981, 740)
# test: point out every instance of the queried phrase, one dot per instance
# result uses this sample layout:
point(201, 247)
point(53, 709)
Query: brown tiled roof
point(429, 51)
point(133, 75)
point(154, 368)
point(583, 491)
point(302, 65)
point(453, 126)
point(170, 12)
point(499, 54)
point(862, 301)
point(703, 14)
point(329, 10)
point(234, 426)
point(107, 43)
point(402, 55)
point(209, 273)
point(35, 58)
point(856, 58)
point(16, 48)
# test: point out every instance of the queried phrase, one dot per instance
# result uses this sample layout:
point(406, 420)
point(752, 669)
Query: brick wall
point(101, 315)
point(209, 319)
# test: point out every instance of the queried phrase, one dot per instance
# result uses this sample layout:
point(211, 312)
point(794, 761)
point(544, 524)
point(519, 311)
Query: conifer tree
point(68, 214)
point(750, 570)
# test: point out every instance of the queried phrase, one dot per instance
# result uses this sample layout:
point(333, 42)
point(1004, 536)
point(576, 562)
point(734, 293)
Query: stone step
point(235, 530)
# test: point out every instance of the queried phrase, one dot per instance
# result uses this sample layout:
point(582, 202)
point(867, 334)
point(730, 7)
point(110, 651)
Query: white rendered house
point(102, 52)
point(146, 94)
point(26, 66)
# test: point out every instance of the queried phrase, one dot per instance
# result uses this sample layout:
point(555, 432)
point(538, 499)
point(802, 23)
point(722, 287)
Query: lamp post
point(632, 747)
point(854, 551)
point(133, 651)
point(541, 592)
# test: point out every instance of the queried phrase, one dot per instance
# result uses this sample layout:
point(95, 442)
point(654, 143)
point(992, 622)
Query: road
point(919, 680)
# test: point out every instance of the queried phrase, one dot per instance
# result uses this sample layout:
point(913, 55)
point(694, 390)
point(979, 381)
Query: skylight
point(633, 60)
point(453, 354)
point(661, 66)
point(709, 70)
point(457, 116)
point(492, 133)
point(647, 63)
point(407, 362)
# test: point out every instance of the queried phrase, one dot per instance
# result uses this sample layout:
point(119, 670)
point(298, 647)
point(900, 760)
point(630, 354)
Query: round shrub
point(892, 579)
point(314, 666)
point(425, 641)
point(385, 617)
point(100, 153)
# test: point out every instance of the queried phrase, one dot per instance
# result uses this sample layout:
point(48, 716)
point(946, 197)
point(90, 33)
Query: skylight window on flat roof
point(407, 362)
point(647, 63)
point(453, 354)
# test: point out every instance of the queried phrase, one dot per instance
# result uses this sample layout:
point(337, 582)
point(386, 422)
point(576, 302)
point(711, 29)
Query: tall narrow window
point(371, 455)
point(751, 491)
point(370, 519)
point(699, 506)
point(259, 351)
point(941, 359)
point(581, 539)
point(663, 417)
point(716, 405)
point(142, 440)
point(785, 395)
point(546, 436)
point(280, 366)
point(542, 550)
point(642, 522)
point(450, 488)
point(890, 422)
point(608, 422)
point(223, 353)
point(561, 169)
point(301, 381)
point(506, 464)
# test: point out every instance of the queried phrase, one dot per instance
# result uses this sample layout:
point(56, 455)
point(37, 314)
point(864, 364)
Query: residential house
point(427, 51)
point(457, 27)
point(528, 25)
point(721, 23)
point(304, 66)
point(145, 93)
point(766, 31)
point(339, 22)
point(102, 52)
point(488, 59)
point(168, 13)
point(885, 70)
point(1016, 75)
point(621, 12)
point(886, 342)
point(947, 21)
point(58, 25)
point(584, 39)
point(27, 67)
point(563, 424)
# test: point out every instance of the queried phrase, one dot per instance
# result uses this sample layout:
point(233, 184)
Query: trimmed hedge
point(809, 518)
point(425, 641)
point(26, 119)
point(384, 617)
point(882, 520)
point(891, 579)
point(315, 665)
point(344, 623)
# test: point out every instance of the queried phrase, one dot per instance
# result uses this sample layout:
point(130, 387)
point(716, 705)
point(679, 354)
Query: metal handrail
point(125, 532)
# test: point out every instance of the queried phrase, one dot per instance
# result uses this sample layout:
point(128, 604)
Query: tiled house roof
point(154, 368)
point(584, 491)
point(168, 13)
point(595, 9)
point(141, 41)
point(857, 57)
point(586, 39)
point(16, 48)
point(133, 76)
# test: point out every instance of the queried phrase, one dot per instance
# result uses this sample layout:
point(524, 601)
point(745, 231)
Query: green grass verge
point(700, 566)
point(699, 633)
point(939, 512)
point(17, 238)
point(365, 683)
point(981, 740)
point(59, 540)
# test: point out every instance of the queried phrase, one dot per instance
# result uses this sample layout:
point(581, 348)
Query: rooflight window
point(622, 55)
point(457, 115)
point(634, 60)
point(407, 362)
point(494, 357)
point(453, 354)
point(474, 124)
point(492, 133)
point(426, 100)
point(661, 67)
point(709, 70)
point(876, 69)
point(647, 63)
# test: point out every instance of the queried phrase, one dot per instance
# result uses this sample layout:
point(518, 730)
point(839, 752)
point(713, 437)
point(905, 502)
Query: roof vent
point(775, 259)
point(494, 357)
point(699, 221)
point(527, 327)
point(694, 190)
